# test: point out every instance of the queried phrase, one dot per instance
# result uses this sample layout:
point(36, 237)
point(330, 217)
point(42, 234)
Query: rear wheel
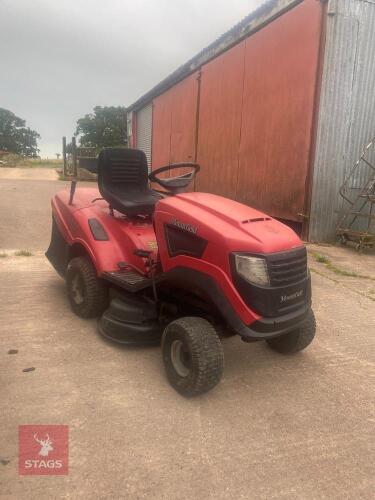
point(193, 356)
point(297, 340)
point(88, 295)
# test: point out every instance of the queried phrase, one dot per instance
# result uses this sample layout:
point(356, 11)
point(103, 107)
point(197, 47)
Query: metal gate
point(144, 131)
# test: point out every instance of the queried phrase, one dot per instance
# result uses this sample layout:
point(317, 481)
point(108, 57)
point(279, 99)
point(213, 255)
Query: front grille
point(286, 268)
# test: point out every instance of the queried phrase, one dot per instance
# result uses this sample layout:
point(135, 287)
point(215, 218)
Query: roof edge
point(252, 23)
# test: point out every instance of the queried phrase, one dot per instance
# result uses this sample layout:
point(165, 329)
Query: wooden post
point(74, 153)
point(64, 155)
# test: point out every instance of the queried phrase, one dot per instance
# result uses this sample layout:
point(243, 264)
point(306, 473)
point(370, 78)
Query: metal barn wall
point(130, 129)
point(144, 131)
point(347, 108)
point(174, 123)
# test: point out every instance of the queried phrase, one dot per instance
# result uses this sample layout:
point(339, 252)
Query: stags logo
point(45, 445)
point(43, 449)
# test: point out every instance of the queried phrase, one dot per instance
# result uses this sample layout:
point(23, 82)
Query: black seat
point(123, 181)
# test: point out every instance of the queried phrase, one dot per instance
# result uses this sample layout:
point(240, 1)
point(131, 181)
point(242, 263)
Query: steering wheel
point(175, 184)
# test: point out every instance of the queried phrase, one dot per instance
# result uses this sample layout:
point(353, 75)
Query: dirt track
point(35, 174)
point(294, 427)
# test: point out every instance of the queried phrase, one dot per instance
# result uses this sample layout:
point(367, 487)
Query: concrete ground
point(289, 427)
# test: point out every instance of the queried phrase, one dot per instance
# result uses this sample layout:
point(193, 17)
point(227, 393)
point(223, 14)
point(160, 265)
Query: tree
point(15, 137)
point(106, 126)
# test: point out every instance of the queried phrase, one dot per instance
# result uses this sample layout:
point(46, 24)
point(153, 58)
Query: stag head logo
point(38, 454)
point(45, 445)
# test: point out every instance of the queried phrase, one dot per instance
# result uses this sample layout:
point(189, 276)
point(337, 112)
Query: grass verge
point(322, 259)
point(23, 253)
point(340, 283)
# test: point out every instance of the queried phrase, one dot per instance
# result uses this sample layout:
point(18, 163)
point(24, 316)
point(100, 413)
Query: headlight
point(252, 269)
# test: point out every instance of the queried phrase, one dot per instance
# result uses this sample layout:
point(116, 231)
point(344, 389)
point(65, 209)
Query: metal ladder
point(358, 221)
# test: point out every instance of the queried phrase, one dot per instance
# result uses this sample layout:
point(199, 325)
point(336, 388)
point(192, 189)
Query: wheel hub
point(180, 358)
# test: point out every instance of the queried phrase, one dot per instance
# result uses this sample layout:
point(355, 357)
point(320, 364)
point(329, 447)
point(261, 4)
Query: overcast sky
point(60, 58)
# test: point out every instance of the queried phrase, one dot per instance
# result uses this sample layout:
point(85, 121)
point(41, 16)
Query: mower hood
point(217, 218)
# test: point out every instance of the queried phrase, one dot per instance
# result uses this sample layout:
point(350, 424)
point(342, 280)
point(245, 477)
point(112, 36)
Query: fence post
point(74, 154)
point(64, 155)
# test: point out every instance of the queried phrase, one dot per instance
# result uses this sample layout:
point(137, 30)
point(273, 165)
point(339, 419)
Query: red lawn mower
point(183, 269)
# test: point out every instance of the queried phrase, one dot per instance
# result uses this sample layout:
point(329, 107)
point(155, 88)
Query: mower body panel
point(225, 224)
point(200, 232)
point(110, 241)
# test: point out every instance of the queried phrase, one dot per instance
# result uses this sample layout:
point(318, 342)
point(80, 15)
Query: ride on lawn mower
point(178, 268)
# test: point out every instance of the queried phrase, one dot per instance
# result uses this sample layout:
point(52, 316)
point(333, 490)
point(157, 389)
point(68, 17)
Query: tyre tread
point(97, 292)
point(207, 354)
point(296, 340)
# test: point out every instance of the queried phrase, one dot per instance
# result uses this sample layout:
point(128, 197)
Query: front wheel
point(88, 294)
point(297, 340)
point(193, 356)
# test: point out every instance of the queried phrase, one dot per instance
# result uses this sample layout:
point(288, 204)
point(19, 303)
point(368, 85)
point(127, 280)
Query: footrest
point(128, 279)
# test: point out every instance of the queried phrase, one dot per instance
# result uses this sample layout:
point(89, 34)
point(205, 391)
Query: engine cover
point(210, 227)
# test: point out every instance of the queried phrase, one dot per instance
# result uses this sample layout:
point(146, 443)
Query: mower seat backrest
point(123, 181)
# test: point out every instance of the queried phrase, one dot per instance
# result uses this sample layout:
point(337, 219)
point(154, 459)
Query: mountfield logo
point(185, 226)
point(295, 295)
point(43, 450)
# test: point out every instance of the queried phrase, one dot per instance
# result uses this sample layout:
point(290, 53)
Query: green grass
point(337, 270)
point(18, 161)
point(368, 296)
point(321, 258)
point(39, 163)
point(23, 253)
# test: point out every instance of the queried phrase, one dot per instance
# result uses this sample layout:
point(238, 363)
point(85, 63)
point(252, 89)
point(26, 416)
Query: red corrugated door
point(281, 63)
point(220, 122)
point(255, 114)
point(174, 123)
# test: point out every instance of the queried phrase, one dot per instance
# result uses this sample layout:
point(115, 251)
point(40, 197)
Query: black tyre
point(224, 331)
point(193, 356)
point(296, 340)
point(88, 295)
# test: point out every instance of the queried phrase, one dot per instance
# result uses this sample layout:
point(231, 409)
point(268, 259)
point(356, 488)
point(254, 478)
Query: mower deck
point(130, 320)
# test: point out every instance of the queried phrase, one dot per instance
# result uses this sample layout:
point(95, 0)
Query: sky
point(60, 58)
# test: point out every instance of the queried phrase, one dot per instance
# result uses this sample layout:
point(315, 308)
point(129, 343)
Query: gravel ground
point(39, 174)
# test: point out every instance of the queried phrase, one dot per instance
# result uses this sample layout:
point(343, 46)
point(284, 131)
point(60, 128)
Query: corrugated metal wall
point(347, 108)
point(144, 131)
